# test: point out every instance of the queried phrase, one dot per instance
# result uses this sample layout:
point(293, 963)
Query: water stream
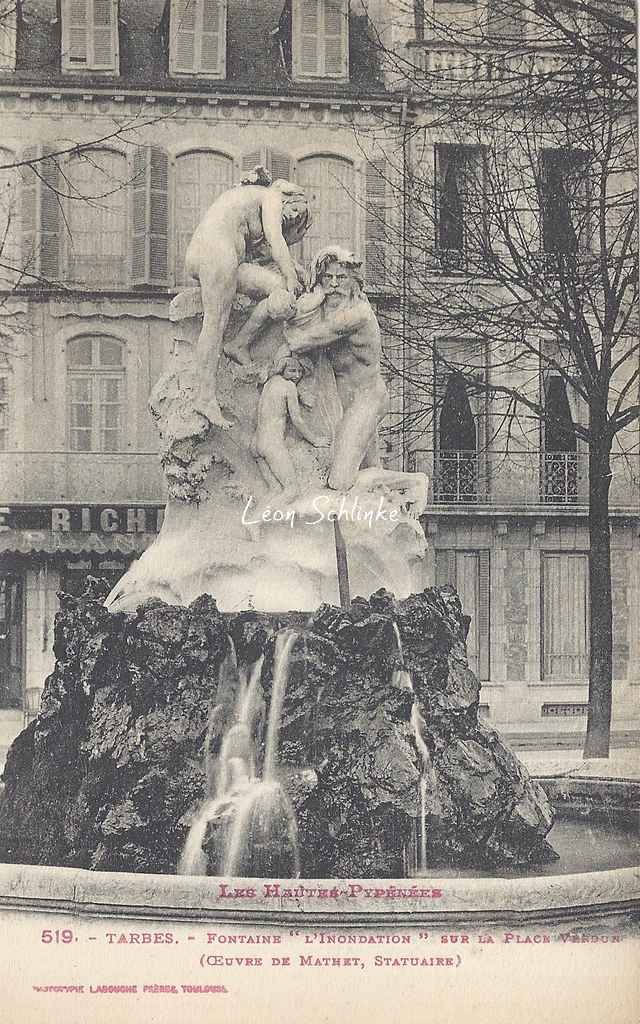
point(260, 828)
point(402, 679)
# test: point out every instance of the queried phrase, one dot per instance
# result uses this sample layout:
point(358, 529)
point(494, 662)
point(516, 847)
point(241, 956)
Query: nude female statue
point(253, 223)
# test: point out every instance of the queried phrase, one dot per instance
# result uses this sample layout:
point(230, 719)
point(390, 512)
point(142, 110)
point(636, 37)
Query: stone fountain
point(228, 708)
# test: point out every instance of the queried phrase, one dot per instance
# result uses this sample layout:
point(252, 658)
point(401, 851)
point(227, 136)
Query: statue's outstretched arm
point(330, 328)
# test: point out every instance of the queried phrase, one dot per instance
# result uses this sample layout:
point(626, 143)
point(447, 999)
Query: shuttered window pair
point(90, 35)
point(198, 38)
point(469, 573)
point(565, 616)
point(95, 219)
point(99, 219)
point(320, 42)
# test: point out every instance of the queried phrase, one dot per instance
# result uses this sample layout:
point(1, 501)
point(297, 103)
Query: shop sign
point(82, 518)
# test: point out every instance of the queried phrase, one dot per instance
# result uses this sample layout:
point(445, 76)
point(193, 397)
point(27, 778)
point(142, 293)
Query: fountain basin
point(582, 896)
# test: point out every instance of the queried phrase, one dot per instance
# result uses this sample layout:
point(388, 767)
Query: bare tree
point(521, 261)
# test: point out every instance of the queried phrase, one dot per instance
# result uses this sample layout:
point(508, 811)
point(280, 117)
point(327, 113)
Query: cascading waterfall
point(264, 835)
point(261, 834)
point(402, 678)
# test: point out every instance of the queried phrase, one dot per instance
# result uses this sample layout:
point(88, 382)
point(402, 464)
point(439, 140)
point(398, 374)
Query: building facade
point(122, 122)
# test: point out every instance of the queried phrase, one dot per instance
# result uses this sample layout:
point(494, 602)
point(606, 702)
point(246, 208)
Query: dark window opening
point(563, 200)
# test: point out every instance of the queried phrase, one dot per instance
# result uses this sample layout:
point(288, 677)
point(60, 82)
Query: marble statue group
point(273, 396)
point(243, 246)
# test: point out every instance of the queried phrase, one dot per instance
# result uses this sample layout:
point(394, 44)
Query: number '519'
point(65, 935)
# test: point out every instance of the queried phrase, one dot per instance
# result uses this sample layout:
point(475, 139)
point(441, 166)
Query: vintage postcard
point(319, 511)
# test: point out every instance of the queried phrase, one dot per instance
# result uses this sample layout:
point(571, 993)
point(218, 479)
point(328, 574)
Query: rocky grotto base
point(380, 753)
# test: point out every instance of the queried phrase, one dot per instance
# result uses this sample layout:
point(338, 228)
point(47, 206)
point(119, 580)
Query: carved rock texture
point(113, 770)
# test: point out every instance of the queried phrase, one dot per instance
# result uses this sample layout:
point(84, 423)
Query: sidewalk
point(622, 764)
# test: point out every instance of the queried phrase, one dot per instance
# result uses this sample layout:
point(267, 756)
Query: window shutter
point(198, 37)
point(212, 37)
point(375, 223)
point(484, 599)
point(183, 36)
point(279, 165)
point(307, 38)
point(446, 568)
point(8, 23)
point(41, 214)
point(336, 38)
point(150, 217)
point(105, 35)
point(251, 160)
point(29, 214)
point(76, 15)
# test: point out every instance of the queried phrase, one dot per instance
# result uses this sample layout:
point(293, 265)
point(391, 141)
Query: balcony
point(474, 67)
point(80, 477)
point(501, 480)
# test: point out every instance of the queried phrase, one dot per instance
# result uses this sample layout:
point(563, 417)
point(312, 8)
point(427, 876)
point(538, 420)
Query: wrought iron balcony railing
point(455, 479)
point(560, 477)
point(501, 479)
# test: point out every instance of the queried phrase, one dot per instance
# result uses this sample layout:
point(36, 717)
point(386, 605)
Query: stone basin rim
point(539, 898)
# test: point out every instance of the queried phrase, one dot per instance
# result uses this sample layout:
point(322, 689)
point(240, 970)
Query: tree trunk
point(600, 607)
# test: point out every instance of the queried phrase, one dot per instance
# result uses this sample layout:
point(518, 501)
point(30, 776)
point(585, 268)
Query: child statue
point(279, 404)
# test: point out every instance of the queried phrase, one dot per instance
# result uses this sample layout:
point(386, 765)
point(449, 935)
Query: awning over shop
point(46, 542)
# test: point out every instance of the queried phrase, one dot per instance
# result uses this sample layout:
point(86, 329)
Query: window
point(460, 222)
point(564, 200)
point(8, 24)
point(560, 446)
point(565, 616)
point(5, 398)
point(96, 217)
point(11, 640)
point(506, 21)
point(200, 177)
point(469, 573)
point(9, 220)
point(95, 394)
point(329, 183)
point(90, 35)
point(457, 462)
point(198, 33)
point(320, 39)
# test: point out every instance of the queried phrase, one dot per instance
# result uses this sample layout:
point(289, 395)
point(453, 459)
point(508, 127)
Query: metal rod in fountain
point(342, 565)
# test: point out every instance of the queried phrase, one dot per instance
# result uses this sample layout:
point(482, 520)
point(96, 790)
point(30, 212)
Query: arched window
point(200, 177)
point(9, 221)
point(95, 394)
point(329, 183)
point(96, 216)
